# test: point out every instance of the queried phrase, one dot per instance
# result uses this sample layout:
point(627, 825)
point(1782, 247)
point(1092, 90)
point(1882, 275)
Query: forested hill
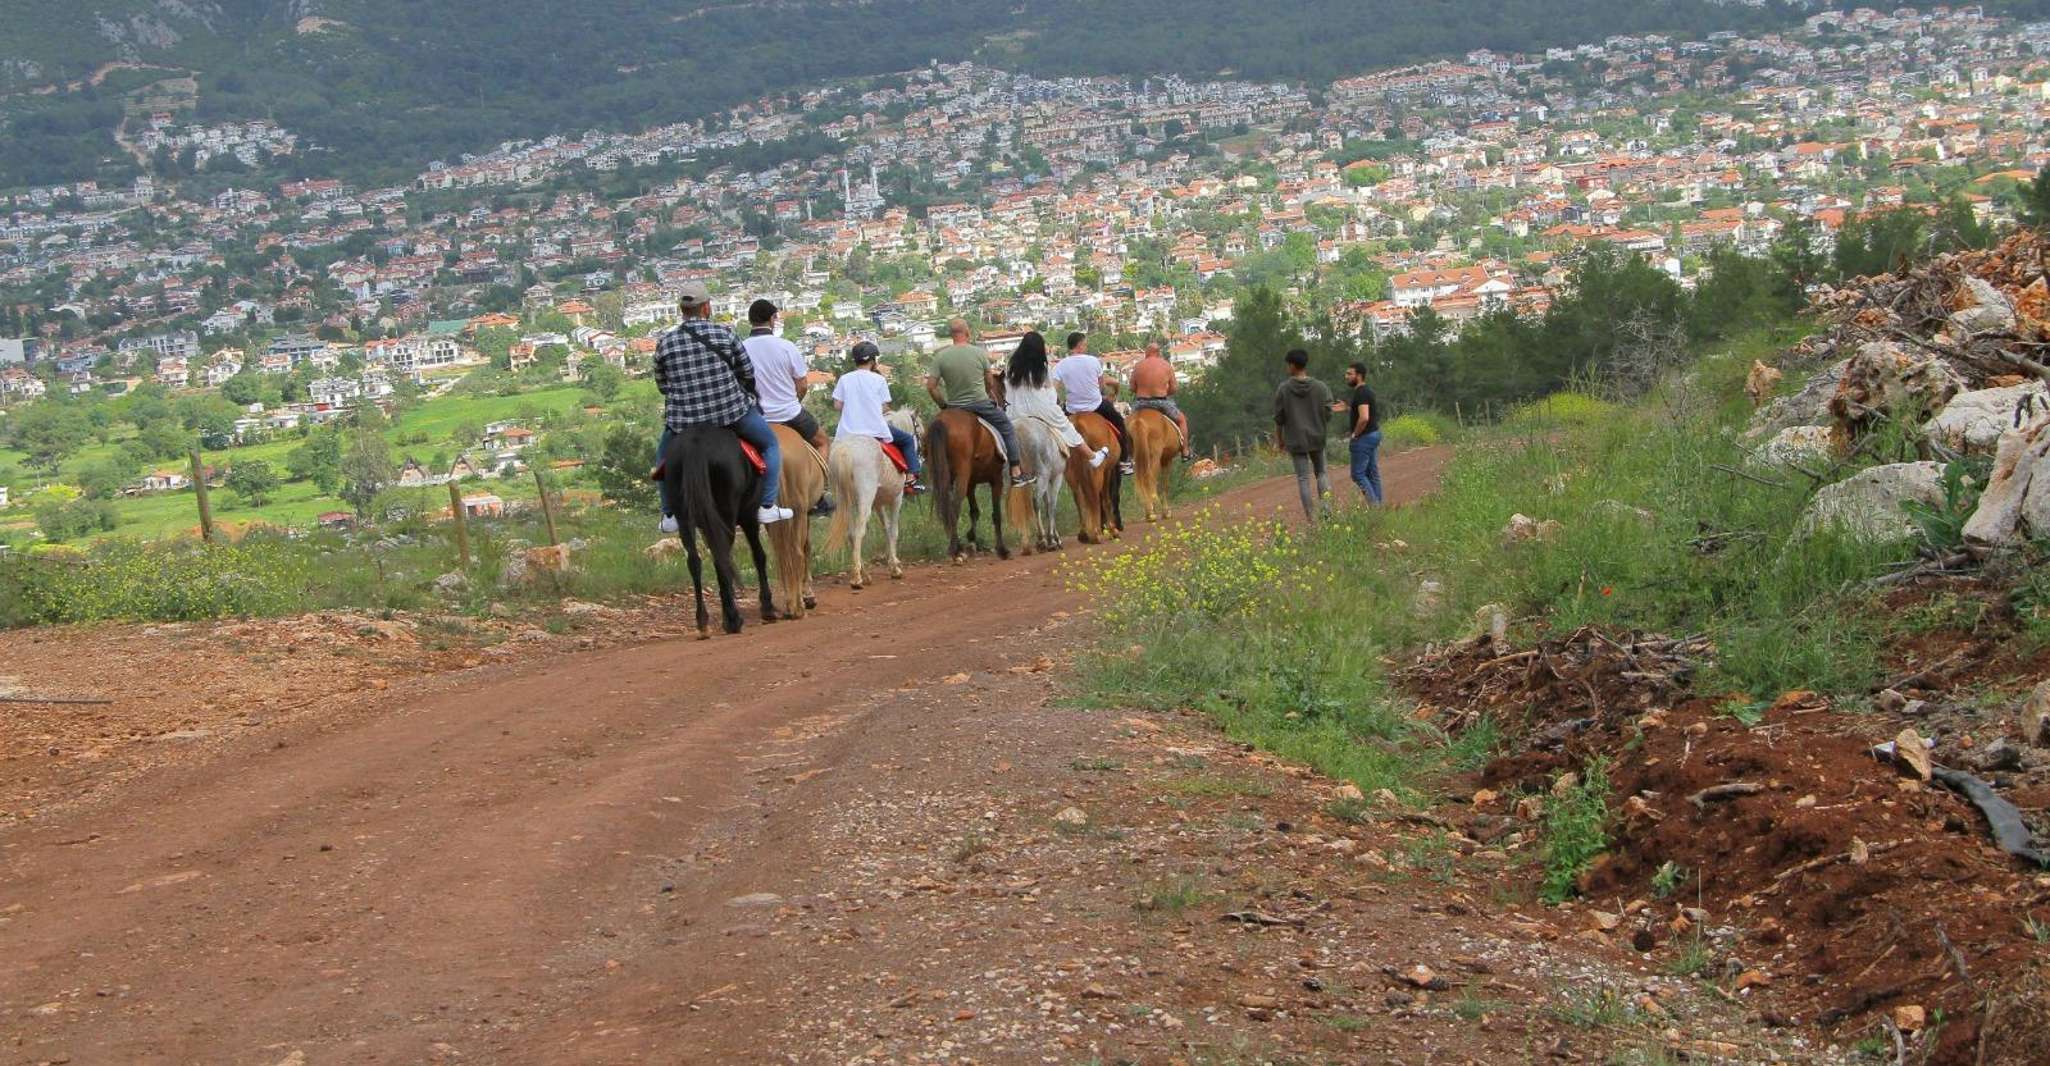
point(392, 83)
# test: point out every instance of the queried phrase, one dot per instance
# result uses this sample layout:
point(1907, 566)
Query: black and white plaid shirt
point(704, 376)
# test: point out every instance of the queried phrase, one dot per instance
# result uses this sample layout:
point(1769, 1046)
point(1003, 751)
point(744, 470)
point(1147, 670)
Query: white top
point(862, 395)
point(779, 375)
point(1040, 405)
point(1082, 375)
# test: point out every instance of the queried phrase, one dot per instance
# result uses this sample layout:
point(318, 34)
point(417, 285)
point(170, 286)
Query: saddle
point(1002, 455)
point(754, 459)
point(896, 457)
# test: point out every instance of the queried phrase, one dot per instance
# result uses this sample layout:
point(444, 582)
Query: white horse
point(865, 481)
point(1036, 508)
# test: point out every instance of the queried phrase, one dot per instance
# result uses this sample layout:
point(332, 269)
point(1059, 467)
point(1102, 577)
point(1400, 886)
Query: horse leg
point(975, 520)
point(754, 544)
point(856, 568)
point(890, 514)
point(996, 521)
point(697, 580)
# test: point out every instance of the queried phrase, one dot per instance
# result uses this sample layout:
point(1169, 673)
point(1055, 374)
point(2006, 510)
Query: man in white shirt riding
point(1080, 376)
point(781, 380)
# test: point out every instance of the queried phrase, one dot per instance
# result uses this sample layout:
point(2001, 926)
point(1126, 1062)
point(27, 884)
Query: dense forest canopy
point(389, 84)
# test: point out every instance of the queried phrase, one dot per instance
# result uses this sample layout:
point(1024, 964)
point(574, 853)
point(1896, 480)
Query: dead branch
point(1731, 790)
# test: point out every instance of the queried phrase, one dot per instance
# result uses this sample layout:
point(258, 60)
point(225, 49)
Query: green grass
point(1217, 787)
point(1596, 1008)
point(1173, 897)
point(1576, 830)
point(1693, 960)
point(1297, 663)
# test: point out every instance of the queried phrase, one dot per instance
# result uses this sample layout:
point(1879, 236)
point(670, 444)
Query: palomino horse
point(1155, 444)
point(1035, 508)
point(866, 481)
point(959, 455)
point(1097, 491)
point(716, 489)
point(804, 483)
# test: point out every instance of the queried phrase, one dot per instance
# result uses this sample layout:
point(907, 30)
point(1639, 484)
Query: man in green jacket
point(1302, 407)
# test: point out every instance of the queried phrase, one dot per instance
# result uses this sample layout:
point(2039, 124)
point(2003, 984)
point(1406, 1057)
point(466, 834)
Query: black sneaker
point(1021, 482)
point(824, 507)
point(1126, 468)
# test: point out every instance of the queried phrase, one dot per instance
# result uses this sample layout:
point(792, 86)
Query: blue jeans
point(907, 444)
point(1366, 468)
point(753, 429)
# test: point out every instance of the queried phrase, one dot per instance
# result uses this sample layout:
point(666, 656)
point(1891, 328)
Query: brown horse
point(1155, 444)
point(1097, 491)
point(803, 485)
point(959, 455)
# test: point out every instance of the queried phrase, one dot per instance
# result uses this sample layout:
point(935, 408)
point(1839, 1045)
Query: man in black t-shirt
point(1363, 428)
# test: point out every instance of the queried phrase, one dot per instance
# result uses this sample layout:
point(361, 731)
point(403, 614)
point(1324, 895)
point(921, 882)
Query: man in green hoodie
point(1302, 407)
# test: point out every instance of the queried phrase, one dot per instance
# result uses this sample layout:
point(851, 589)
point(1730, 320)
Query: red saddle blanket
point(755, 457)
point(896, 457)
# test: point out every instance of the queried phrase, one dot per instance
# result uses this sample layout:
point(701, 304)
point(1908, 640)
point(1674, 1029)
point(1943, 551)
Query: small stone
point(1256, 1001)
point(1530, 808)
point(954, 679)
point(1484, 797)
point(1805, 802)
point(2036, 716)
point(1398, 998)
point(1605, 921)
point(1753, 979)
point(1913, 753)
point(1909, 1018)
point(756, 899)
point(2001, 755)
point(1565, 785)
point(1071, 816)
point(1348, 793)
point(1421, 976)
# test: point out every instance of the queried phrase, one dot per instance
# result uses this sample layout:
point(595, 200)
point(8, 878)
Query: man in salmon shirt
point(1153, 385)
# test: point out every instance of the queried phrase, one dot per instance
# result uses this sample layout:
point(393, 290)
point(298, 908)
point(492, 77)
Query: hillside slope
point(396, 82)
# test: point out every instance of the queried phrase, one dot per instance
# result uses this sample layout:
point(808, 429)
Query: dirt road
point(815, 842)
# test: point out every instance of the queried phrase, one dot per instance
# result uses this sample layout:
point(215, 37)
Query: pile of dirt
point(1771, 854)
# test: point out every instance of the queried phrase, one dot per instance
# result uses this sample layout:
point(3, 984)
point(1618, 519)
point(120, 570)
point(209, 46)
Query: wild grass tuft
point(1576, 830)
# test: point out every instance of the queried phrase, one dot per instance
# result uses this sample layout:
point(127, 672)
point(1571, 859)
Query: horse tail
point(694, 472)
point(836, 531)
point(939, 465)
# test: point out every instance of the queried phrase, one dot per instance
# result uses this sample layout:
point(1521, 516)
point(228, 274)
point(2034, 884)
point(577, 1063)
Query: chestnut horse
point(1156, 442)
point(1097, 491)
point(961, 454)
point(803, 484)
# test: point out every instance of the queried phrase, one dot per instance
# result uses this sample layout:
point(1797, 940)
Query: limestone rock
point(1808, 407)
point(1974, 422)
point(1761, 381)
point(1982, 308)
point(1867, 505)
point(2016, 502)
point(1807, 446)
point(1887, 378)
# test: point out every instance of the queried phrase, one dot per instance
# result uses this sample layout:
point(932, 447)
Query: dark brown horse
point(716, 489)
point(1096, 491)
point(961, 454)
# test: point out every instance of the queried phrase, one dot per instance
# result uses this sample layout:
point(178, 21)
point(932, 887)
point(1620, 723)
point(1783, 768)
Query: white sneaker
point(668, 524)
point(771, 515)
point(1097, 459)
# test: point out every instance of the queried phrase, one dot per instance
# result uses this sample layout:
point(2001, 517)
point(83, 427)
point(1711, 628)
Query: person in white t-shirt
point(1084, 383)
point(862, 397)
point(781, 380)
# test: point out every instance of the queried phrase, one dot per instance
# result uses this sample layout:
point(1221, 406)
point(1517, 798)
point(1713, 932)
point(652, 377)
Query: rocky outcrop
point(1885, 380)
point(1867, 505)
point(1808, 447)
point(1973, 422)
point(2016, 503)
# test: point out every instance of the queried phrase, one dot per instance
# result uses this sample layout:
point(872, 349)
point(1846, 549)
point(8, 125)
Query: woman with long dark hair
point(1028, 388)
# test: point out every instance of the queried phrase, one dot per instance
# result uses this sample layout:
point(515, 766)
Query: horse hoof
point(857, 585)
point(811, 603)
point(896, 573)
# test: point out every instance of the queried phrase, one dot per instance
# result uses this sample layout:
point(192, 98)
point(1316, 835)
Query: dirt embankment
point(1779, 859)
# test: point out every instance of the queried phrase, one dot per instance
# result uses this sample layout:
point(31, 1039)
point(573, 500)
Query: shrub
point(1561, 409)
point(1415, 431)
point(1576, 830)
point(173, 580)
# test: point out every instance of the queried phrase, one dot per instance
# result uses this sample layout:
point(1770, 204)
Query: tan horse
point(803, 485)
point(865, 481)
point(1097, 491)
point(1155, 445)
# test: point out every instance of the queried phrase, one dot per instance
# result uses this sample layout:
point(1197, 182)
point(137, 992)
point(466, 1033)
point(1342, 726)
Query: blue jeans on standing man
point(752, 428)
point(1366, 467)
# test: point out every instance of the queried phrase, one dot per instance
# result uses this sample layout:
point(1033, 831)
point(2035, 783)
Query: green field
point(298, 503)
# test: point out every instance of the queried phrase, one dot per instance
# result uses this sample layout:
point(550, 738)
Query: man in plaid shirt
point(707, 380)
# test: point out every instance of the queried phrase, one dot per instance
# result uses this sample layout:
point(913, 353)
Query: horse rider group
point(708, 376)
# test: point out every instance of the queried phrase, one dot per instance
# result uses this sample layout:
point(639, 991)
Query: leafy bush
point(1561, 409)
point(173, 580)
point(1416, 431)
point(1576, 830)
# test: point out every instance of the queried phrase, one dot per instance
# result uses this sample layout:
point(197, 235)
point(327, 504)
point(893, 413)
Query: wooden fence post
point(206, 511)
point(455, 508)
point(547, 508)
